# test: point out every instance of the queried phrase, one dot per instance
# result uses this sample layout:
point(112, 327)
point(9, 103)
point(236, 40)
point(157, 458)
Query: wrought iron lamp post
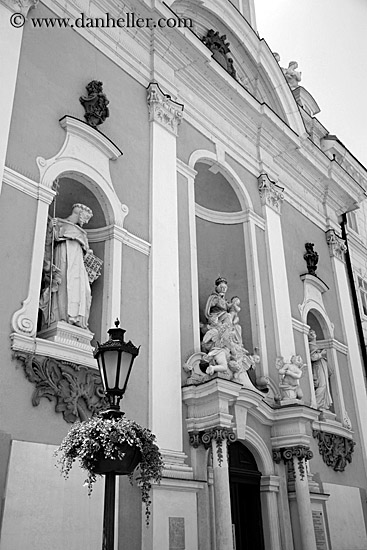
point(115, 360)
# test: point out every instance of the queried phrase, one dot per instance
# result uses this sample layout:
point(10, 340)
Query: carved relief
point(95, 104)
point(21, 6)
point(220, 49)
point(335, 450)
point(76, 390)
point(311, 257)
point(163, 109)
point(270, 193)
point(337, 246)
point(300, 452)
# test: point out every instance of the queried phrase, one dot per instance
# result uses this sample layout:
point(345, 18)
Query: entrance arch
point(244, 482)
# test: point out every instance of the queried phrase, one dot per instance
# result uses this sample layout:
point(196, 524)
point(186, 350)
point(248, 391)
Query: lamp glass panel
point(124, 370)
point(110, 361)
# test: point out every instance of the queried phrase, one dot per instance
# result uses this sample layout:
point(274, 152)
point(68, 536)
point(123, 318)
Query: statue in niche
point(292, 75)
point(222, 338)
point(69, 267)
point(290, 374)
point(321, 373)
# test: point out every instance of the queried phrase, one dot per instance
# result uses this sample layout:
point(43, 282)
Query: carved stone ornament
point(337, 246)
point(287, 454)
point(218, 434)
point(311, 258)
point(21, 6)
point(220, 49)
point(336, 450)
point(163, 109)
point(95, 104)
point(76, 390)
point(270, 193)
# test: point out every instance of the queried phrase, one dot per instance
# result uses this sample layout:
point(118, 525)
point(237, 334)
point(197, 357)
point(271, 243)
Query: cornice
point(113, 231)
point(228, 218)
point(299, 326)
point(76, 127)
point(27, 186)
point(185, 169)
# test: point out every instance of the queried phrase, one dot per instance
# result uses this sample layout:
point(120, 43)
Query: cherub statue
point(289, 376)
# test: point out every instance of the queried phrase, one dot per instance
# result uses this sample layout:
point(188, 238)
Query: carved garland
point(219, 435)
point(77, 390)
point(336, 450)
point(300, 452)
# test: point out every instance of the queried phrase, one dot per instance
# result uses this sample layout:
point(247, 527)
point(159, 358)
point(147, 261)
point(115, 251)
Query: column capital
point(337, 246)
point(217, 435)
point(271, 194)
point(20, 6)
point(287, 454)
point(163, 109)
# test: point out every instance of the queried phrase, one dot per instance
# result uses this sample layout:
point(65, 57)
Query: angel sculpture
point(289, 376)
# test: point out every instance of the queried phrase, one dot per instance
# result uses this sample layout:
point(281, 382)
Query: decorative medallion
point(95, 104)
point(76, 390)
point(220, 49)
point(270, 193)
point(163, 109)
point(311, 257)
point(335, 450)
point(337, 246)
point(300, 452)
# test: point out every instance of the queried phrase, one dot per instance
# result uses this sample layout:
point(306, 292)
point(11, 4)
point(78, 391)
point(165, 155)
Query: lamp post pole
point(115, 360)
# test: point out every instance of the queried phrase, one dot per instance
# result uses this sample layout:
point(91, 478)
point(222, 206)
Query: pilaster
point(165, 350)
point(272, 197)
point(10, 42)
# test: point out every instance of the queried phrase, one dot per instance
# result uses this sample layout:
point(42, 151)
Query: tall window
point(362, 284)
point(352, 221)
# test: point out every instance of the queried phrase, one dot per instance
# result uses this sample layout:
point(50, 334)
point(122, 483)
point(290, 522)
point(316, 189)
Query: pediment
point(247, 58)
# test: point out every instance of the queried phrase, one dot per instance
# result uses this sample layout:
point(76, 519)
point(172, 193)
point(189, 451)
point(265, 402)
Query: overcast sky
point(328, 39)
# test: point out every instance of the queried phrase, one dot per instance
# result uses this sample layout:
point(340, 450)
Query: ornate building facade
point(172, 174)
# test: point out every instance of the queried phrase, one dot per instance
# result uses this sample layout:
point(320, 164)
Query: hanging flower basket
point(112, 445)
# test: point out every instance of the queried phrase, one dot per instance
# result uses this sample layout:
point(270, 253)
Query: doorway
point(244, 481)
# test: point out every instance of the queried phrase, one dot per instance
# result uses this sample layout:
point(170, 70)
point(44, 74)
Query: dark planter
point(123, 466)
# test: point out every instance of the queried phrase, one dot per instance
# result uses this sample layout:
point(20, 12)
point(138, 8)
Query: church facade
point(159, 165)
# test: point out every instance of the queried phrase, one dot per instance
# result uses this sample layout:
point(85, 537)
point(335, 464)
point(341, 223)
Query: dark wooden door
point(244, 479)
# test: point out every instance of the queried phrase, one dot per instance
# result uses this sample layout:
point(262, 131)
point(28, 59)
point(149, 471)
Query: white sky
point(328, 39)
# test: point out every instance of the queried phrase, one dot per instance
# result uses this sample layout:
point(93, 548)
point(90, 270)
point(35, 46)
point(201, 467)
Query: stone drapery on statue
point(65, 275)
point(321, 372)
point(222, 338)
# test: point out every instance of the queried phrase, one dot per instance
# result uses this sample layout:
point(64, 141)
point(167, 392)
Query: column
point(10, 43)
point(217, 438)
point(269, 490)
point(164, 316)
point(271, 198)
point(295, 458)
point(337, 249)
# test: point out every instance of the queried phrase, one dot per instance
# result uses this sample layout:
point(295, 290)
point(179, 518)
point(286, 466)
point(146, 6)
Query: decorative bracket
point(336, 450)
point(77, 390)
point(271, 194)
point(163, 109)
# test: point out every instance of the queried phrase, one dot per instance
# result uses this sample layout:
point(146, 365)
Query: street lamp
point(115, 360)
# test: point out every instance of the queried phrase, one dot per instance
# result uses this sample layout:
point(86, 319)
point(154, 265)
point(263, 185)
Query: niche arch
point(84, 158)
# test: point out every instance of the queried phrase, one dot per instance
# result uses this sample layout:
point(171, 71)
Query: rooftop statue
point(292, 75)
point(66, 294)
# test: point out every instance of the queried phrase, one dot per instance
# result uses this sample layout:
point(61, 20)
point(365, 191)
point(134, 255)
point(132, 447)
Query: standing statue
point(293, 77)
point(66, 294)
point(289, 376)
point(321, 372)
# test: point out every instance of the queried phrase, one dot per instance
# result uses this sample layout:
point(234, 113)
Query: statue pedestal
point(70, 335)
point(291, 401)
